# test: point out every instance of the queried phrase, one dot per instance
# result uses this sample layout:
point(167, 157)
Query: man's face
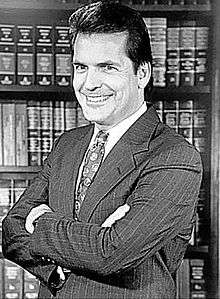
point(104, 80)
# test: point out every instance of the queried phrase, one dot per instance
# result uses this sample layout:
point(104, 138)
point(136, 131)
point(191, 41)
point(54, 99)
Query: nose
point(92, 80)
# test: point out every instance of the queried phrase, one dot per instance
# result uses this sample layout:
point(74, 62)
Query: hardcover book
point(7, 54)
point(44, 56)
point(25, 55)
point(46, 127)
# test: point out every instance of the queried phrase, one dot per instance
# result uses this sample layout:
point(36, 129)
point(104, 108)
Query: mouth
point(97, 99)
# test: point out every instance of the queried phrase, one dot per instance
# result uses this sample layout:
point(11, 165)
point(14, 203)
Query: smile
point(97, 99)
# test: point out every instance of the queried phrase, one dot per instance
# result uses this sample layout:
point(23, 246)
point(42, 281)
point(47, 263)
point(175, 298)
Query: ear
point(143, 74)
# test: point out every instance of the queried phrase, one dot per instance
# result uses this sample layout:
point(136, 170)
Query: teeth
point(97, 99)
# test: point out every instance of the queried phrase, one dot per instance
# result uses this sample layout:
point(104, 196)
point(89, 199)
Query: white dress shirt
point(115, 133)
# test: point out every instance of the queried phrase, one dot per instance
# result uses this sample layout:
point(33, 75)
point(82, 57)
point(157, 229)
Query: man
point(109, 216)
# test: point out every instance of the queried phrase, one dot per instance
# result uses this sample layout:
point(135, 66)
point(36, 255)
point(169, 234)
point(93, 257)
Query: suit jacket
point(152, 169)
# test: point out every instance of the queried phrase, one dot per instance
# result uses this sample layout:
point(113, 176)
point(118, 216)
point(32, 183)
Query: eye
point(109, 68)
point(79, 68)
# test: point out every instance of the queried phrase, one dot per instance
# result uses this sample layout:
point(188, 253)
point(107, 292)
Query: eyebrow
point(107, 62)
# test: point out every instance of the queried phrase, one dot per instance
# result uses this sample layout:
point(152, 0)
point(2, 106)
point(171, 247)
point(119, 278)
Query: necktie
point(92, 163)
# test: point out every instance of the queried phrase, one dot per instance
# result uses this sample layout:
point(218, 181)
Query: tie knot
point(102, 137)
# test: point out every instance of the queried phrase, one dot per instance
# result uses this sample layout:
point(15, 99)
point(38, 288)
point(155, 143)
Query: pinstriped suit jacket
point(152, 169)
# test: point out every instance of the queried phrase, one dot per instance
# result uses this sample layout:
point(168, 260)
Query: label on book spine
point(25, 56)
point(62, 57)
point(44, 55)
point(173, 54)
point(187, 53)
point(7, 55)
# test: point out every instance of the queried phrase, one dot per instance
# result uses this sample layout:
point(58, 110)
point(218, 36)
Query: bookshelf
point(54, 12)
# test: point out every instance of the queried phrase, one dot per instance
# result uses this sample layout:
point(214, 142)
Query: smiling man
point(111, 212)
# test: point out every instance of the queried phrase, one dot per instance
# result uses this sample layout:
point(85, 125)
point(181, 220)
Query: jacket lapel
point(122, 160)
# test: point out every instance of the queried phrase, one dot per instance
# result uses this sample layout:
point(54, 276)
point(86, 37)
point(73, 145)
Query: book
point(177, 2)
point(199, 125)
point(158, 29)
point(173, 54)
point(18, 189)
point(8, 119)
point(183, 280)
point(171, 114)
point(201, 54)
point(44, 56)
point(12, 280)
point(46, 128)
point(31, 286)
point(25, 55)
point(197, 280)
point(58, 118)
point(70, 115)
point(7, 54)
point(21, 133)
point(63, 68)
point(187, 52)
point(34, 133)
point(159, 107)
point(1, 136)
point(190, 2)
point(185, 127)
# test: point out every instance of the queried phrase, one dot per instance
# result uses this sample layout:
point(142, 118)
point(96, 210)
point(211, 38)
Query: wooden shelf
point(18, 172)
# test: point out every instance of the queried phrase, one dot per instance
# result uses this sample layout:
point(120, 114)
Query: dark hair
point(112, 17)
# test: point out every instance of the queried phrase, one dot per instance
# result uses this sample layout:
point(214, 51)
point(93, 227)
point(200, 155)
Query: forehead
point(100, 46)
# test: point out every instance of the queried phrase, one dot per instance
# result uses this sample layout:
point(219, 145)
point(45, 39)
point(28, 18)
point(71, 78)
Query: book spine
point(158, 43)
point(8, 113)
point(34, 138)
point(186, 120)
point(197, 281)
point(12, 280)
point(46, 116)
point(159, 107)
point(63, 68)
point(183, 280)
point(44, 56)
point(199, 125)
point(173, 54)
point(25, 56)
point(58, 119)
point(171, 114)
point(187, 53)
point(31, 286)
point(201, 54)
point(1, 136)
point(19, 188)
point(21, 134)
point(70, 115)
point(7, 55)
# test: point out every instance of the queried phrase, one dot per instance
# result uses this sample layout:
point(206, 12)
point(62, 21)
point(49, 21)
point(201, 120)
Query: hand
point(34, 214)
point(118, 214)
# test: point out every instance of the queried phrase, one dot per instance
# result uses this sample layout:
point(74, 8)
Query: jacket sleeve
point(162, 205)
point(15, 239)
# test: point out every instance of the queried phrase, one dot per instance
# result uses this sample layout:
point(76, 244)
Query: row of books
point(16, 283)
point(40, 55)
point(188, 118)
point(29, 128)
point(166, 2)
point(191, 283)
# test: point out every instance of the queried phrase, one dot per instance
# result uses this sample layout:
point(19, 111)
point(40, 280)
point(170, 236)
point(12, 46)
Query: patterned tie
point(92, 163)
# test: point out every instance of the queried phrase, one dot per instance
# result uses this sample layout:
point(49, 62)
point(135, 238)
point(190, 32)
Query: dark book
point(34, 136)
point(63, 68)
point(44, 56)
point(187, 53)
point(25, 55)
point(177, 2)
point(201, 54)
point(185, 127)
point(7, 55)
point(173, 54)
point(171, 114)
point(190, 2)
